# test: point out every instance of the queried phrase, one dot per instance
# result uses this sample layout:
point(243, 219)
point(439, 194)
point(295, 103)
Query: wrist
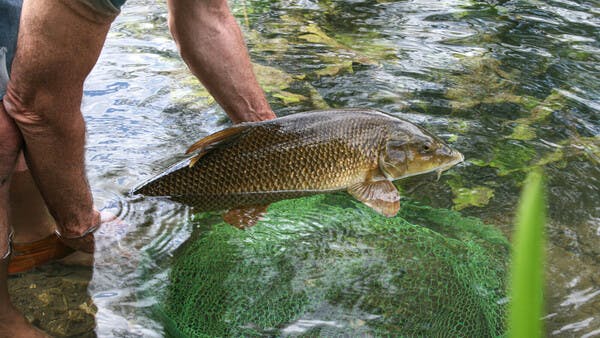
point(263, 115)
point(78, 230)
point(253, 116)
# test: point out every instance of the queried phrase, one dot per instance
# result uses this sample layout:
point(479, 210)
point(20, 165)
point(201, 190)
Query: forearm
point(212, 46)
point(57, 48)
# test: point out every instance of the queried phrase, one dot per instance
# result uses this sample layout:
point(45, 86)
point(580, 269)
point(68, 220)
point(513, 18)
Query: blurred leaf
point(526, 307)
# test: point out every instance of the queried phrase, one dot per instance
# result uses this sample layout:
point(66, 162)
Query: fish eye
point(426, 147)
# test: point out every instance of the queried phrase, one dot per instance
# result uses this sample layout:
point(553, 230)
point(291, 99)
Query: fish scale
point(289, 157)
point(250, 165)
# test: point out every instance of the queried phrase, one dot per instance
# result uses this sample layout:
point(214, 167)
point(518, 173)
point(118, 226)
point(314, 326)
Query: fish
point(244, 168)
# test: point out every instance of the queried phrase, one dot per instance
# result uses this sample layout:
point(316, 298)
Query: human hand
point(87, 241)
point(263, 115)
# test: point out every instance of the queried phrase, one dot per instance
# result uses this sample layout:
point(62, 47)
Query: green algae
point(473, 196)
point(335, 69)
point(538, 112)
point(477, 196)
point(272, 79)
point(343, 53)
point(482, 81)
point(289, 98)
point(314, 34)
point(511, 157)
point(465, 195)
point(275, 47)
point(316, 99)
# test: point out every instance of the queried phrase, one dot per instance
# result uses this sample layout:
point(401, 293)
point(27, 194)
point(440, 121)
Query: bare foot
point(14, 325)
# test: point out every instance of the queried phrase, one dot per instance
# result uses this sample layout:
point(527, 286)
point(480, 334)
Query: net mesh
point(328, 266)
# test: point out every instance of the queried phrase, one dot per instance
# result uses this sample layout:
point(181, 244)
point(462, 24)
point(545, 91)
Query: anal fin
point(382, 196)
point(245, 217)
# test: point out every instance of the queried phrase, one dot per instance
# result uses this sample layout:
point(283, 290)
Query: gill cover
point(412, 151)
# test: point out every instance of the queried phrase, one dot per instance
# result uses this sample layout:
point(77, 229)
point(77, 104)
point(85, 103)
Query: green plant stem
point(527, 279)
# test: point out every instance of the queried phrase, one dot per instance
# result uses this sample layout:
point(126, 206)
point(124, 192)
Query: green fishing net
point(328, 266)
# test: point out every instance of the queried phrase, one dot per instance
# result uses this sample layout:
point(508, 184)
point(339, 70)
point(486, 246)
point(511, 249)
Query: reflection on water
point(512, 84)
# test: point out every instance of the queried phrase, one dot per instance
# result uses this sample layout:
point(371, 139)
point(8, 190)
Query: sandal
point(26, 256)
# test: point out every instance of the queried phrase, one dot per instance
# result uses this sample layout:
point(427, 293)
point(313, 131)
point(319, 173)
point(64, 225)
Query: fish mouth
point(460, 158)
point(439, 170)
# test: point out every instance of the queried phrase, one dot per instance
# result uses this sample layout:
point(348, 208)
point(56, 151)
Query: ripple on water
point(470, 71)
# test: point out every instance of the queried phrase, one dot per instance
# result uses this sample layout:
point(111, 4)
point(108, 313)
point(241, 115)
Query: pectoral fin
point(381, 195)
point(246, 217)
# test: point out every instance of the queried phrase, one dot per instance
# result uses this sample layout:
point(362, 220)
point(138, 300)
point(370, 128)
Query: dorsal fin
point(217, 137)
point(209, 142)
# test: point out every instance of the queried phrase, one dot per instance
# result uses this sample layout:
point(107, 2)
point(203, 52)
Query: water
point(511, 84)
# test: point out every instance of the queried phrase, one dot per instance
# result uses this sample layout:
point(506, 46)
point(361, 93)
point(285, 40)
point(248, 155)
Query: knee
point(21, 107)
point(36, 109)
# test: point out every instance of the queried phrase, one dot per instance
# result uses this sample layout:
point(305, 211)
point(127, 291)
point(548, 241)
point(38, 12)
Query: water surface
point(511, 84)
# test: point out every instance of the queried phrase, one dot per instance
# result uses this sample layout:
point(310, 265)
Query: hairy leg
point(12, 323)
point(59, 43)
point(9, 149)
point(29, 216)
point(211, 44)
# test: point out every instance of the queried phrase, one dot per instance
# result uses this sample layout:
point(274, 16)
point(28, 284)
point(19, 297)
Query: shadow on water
point(511, 84)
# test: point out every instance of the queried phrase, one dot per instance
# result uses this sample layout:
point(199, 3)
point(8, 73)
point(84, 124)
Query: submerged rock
point(54, 298)
point(327, 266)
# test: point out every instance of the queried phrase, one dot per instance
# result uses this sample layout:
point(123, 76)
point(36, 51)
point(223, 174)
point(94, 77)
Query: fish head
point(410, 150)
